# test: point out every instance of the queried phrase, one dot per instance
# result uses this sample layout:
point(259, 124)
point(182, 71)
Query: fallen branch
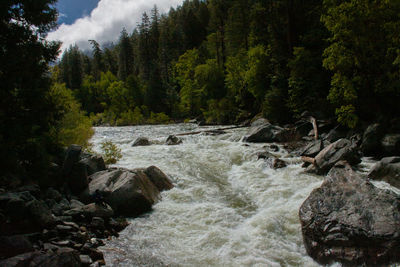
point(308, 160)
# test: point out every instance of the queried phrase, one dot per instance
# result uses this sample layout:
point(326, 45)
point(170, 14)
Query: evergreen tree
point(125, 58)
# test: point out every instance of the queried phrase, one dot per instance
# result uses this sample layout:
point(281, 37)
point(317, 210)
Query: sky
point(101, 20)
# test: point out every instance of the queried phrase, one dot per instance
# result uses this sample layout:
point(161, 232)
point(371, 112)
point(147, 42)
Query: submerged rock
point(350, 220)
point(388, 170)
point(141, 141)
point(173, 140)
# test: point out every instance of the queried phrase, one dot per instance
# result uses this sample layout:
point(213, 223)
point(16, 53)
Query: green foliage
point(362, 56)
point(158, 118)
point(73, 127)
point(111, 153)
point(131, 118)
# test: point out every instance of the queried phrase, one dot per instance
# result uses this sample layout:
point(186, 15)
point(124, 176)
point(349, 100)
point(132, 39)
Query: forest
point(219, 61)
point(226, 61)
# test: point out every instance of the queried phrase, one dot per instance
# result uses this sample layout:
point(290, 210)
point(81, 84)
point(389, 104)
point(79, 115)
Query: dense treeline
point(37, 117)
point(227, 60)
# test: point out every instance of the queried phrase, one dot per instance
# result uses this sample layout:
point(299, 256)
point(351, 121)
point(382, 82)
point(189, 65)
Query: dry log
point(308, 159)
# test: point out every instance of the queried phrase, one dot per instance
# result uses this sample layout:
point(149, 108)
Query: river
point(227, 208)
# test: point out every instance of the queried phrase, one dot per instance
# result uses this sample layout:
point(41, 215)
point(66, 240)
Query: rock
point(129, 192)
point(78, 178)
point(91, 210)
point(76, 204)
point(274, 148)
point(335, 134)
point(40, 213)
point(350, 220)
point(64, 257)
point(265, 133)
point(51, 193)
point(14, 245)
point(264, 155)
point(388, 170)
point(173, 140)
point(85, 260)
point(33, 189)
point(371, 141)
point(259, 122)
point(313, 148)
point(158, 178)
point(278, 164)
point(59, 208)
point(93, 163)
point(342, 149)
point(72, 156)
point(19, 260)
point(391, 144)
point(97, 223)
point(141, 141)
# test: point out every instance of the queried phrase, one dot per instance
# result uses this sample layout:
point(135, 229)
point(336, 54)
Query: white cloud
point(106, 21)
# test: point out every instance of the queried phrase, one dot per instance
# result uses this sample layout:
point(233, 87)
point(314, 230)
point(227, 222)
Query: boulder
point(342, 149)
point(129, 192)
point(40, 214)
point(14, 245)
point(158, 178)
point(335, 134)
point(350, 220)
point(388, 170)
point(19, 260)
point(62, 257)
point(52, 193)
point(371, 140)
point(172, 140)
point(141, 141)
point(259, 122)
point(313, 148)
point(265, 155)
point(265, 133)
point(93, 163)
point(391, 144)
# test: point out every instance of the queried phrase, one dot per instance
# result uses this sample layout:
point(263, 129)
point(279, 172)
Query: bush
point(73, 127)
point(110, 152)
point(158, 118)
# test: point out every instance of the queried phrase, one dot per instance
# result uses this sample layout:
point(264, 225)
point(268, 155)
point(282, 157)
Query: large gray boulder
point(264, 132)
point(342, 149)
point(350, 220)
point(128, 192)
point(313, 148)
point(388, 170)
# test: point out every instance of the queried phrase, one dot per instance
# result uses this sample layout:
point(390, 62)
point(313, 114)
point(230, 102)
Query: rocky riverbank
point(63, 221)
point(347, 219)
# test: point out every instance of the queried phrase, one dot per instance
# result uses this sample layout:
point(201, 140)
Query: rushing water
point(227, 208)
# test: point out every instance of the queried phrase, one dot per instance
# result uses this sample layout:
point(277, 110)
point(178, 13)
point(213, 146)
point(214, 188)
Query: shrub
point(110, 152)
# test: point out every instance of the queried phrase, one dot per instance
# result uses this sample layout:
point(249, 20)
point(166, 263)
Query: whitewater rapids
point(227, 208)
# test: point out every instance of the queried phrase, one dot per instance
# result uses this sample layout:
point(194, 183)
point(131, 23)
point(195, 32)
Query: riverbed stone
point(371, 141)
point(128, 192)
point(11, 246)
point(388, 170)
point(347, 219)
